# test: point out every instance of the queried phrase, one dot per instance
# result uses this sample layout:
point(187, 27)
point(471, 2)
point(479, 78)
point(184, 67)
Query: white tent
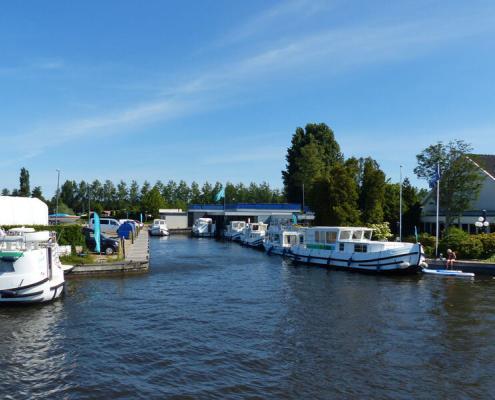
point(22, 211)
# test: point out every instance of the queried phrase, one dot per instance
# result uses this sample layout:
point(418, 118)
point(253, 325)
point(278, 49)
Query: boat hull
point(386, 262)
point(38, 292)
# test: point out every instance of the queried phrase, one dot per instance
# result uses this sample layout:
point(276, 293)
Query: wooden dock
point(136, 260)
point(478, 267)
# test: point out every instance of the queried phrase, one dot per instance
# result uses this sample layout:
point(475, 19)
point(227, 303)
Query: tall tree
point(24, 187)
point(460, 181)
point(38, 194)
point(152, 201)
point(372, 192)
point(312, 154)
point(134, 194)
point(5, 192)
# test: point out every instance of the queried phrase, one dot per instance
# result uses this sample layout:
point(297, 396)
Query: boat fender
point(423, 265)
point(404, 264)
point(349, 262)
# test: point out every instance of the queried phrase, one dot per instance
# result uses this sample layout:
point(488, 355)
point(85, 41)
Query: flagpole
point(400, 206)
point(438, 210)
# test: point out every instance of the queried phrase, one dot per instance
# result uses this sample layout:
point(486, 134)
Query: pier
point(136, 260)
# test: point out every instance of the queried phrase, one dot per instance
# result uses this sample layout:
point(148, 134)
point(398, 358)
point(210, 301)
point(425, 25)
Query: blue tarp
point(125, 230)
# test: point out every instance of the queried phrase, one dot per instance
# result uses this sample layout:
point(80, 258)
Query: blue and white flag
point(220, 194)
point(97, 231)
point(435, 178)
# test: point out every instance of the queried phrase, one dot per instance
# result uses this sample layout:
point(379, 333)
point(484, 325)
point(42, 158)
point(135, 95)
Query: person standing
point(450, 259)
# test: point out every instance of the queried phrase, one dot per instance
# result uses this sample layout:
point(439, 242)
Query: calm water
point(215, 320)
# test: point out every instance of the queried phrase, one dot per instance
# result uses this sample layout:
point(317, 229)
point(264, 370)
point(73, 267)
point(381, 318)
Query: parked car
point(107, 225)
point(108, 245)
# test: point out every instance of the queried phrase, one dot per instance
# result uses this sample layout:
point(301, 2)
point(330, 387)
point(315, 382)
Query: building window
point(360, 248)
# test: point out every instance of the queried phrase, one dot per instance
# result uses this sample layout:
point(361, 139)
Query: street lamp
point(482, 221)
point(58, 194)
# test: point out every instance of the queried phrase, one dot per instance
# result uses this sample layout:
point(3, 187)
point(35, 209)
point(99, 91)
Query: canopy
point(22, 211)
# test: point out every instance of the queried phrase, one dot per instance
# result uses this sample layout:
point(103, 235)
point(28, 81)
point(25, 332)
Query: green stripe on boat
point(10, 255)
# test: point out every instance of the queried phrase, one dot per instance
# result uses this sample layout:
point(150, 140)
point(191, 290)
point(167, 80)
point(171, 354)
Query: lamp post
point(58, 194)
point(482, 222)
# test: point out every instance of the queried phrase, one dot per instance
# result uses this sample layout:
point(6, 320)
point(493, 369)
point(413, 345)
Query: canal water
point(216, 320)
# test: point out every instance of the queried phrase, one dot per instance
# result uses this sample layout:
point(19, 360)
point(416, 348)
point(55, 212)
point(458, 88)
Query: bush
point(381, 231)
point(488, 242)
point(453, 240)
point(470, 248)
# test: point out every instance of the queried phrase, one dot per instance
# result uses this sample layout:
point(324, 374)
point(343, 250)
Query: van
point(107, 225)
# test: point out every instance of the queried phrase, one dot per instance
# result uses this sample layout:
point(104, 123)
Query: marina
point(213, 319)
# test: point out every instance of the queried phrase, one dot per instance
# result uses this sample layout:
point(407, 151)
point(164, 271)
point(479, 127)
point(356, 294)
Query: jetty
point(136, 260)
point(478, 267)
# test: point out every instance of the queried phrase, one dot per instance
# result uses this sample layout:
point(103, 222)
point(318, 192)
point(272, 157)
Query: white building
point(22, 211)
point(485, 201)
point(175, 218)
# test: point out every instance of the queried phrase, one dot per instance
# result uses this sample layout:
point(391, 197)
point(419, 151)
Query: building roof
point(486, 162)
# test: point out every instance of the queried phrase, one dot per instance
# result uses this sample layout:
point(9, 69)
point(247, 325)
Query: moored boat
point(159, 228)
point(234, 230)
point(203, 227)
point(30, 270)
point(351, 248)
point(280, 239)
point(254, 234)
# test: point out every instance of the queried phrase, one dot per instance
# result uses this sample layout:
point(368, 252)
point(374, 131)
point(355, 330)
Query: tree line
point(131, 198)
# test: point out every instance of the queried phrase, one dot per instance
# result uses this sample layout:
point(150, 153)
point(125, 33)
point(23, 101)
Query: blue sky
point(213, 90)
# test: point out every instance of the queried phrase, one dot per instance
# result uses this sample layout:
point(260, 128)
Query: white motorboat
point(234, 230)
point(159, 228)
point(351, 248)
point(280, 239)
point(254, 234)
point(30, 269)
point(204, 227)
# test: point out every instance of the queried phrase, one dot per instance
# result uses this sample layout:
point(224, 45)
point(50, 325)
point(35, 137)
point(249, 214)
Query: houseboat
point(204, 227)
point(30, 270)
point(159, 228)
point(254, 234)
point(234, 230)
point(280, 239)
point(351, 248)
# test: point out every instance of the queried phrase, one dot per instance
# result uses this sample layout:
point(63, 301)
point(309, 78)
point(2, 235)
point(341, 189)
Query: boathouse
point(252, 212)
point(485, 201)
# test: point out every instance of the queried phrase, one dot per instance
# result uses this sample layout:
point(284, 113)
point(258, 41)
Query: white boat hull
point(388, 261)
point(33, 293)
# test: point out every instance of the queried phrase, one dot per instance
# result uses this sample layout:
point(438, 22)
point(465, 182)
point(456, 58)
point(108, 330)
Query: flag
point(141, 217)
point(435, 178)
point(416, 233)
point(220, 194)
point(97, 232)
point(294, 219)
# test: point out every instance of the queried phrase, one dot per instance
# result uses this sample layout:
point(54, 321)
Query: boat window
point(319, 237)
point(345, 235)
point(341, 246)
point(358, 235)
point(331, 237)
point(6, 266)
point(301, 239)
point(367, 234)
point(360, 248)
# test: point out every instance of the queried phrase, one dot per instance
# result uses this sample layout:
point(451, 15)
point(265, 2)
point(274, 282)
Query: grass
point(76, 259)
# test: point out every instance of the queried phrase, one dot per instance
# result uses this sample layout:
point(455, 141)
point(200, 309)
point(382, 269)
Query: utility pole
point(400, 206)
point(58, 194)
point(303, 197)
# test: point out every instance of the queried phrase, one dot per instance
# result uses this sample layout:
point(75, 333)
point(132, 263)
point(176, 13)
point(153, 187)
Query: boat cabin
point(349, 239)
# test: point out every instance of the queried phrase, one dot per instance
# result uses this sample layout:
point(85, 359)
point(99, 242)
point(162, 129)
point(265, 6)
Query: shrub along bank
point(466, 246)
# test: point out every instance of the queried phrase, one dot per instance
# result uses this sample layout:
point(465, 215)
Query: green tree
point(5, 192)
point(196, 193)
point(24, 187)
point(152, 201)
point(38, 194)
point(134, 194)
point(460, 181)
point(372, 192)
point(335, 197)
point(313, 152)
